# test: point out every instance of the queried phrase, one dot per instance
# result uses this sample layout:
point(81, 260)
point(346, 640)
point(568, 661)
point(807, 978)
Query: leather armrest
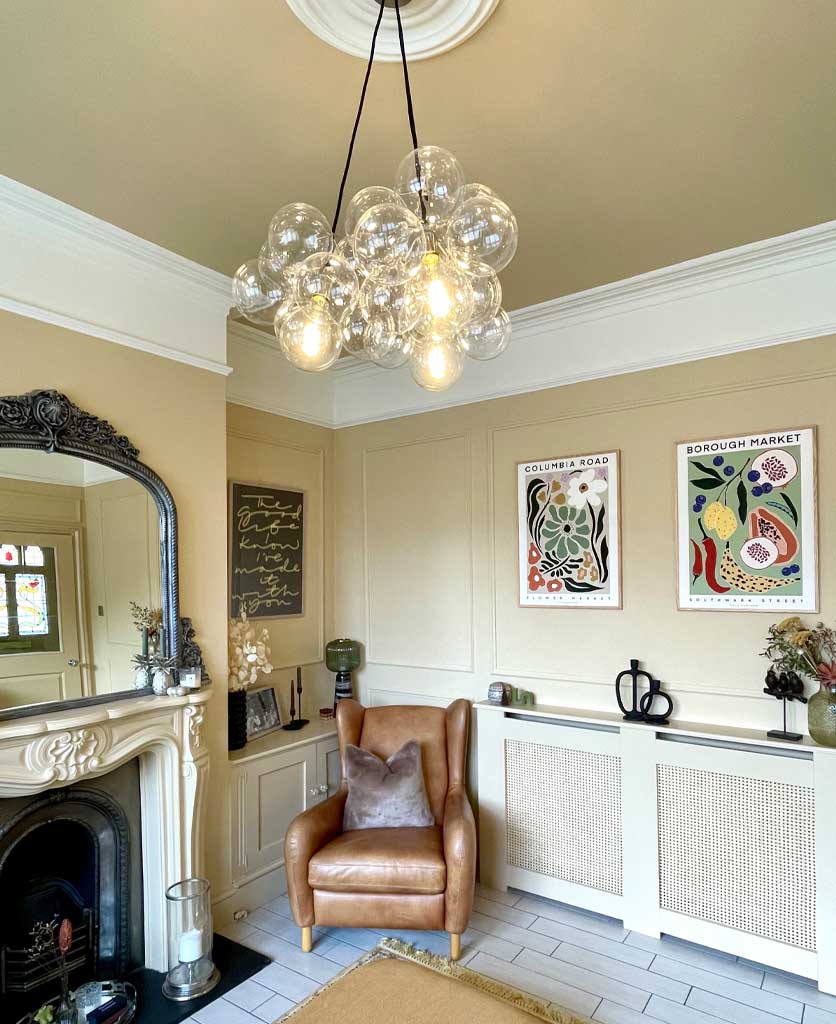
point(306, 834)
point(460, 854)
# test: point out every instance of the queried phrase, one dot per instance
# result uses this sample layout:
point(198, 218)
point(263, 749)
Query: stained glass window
point(9, 554)
point(30, 591)
point(28, 599)
point(33, 555)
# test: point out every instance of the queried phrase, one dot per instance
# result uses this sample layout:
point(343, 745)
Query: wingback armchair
point(416, 878)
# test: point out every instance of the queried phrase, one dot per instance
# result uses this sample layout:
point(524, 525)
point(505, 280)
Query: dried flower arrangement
point(793, 647)
point(249, 653)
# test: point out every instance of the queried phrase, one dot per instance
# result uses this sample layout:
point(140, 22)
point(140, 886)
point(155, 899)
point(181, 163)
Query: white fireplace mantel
point(64, 747)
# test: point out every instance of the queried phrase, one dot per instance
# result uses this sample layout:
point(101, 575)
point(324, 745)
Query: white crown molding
point(68, 268)
point(430, 27)
point(766, 293)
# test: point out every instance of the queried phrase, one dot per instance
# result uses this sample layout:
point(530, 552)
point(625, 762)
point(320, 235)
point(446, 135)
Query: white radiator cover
point(563, 813)
point(722, 837)
point(738, 851)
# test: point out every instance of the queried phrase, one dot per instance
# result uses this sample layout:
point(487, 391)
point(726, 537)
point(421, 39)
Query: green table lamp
point(341, 656)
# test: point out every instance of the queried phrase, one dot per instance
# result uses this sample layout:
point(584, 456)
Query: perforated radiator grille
point(739, 852)
point(563, 813)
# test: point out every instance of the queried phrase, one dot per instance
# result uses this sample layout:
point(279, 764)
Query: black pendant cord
point(357, 122)
point(409, 109)
point(410, 112)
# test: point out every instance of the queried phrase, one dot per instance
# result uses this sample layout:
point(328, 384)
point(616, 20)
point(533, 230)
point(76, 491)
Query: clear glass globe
point(310, 338)
point(429, 182)
point(384, 345)
point(486, 339)
point(345, 248)
point(256, 298)
point(388, 235)
point(442, 293)
point(484, 230)
point(364, 200)
point(270, 267)
point(437, 362)
point(325, 275)
point(354, 329)
point(476, 188)
point(487, 291)
point(297, 231)
point(389, 290)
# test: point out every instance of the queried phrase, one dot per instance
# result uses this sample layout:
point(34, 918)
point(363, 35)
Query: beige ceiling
point(625, 134)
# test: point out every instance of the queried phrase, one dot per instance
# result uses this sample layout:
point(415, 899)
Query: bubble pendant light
point(412, 279)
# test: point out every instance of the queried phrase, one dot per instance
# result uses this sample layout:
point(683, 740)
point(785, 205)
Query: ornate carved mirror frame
point(49, 421)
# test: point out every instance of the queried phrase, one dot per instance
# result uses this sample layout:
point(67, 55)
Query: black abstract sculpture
point(641, 709)
point(784, 687)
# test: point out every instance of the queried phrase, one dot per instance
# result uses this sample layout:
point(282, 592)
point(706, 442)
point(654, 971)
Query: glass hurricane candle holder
point(191, 972)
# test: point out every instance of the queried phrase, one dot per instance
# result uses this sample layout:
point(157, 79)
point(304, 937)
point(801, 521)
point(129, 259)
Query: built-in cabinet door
point(329, 770)
point(276, 789)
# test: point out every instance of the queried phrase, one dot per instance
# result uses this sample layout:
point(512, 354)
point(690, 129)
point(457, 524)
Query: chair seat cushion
point(383, 860)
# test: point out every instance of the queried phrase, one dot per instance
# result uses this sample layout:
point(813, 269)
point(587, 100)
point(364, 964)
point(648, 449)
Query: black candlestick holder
point(296, 723)
point(784, 687)
point(640, 710)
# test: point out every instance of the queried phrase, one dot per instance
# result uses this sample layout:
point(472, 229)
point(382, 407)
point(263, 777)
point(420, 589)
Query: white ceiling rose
point(430, 27)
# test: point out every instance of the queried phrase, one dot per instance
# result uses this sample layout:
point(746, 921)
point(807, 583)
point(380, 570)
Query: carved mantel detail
point(66, 756)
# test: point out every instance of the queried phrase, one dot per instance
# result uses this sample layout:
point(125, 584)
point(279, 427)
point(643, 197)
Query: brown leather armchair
point(421, 878)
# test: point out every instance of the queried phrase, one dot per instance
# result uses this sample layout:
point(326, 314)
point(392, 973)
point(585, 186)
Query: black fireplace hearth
point(72, 852)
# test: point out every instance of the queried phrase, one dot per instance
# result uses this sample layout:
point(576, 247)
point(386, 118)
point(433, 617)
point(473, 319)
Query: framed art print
point(266, 551)
point(263, 714)
point(746, 522)
point(569, 542)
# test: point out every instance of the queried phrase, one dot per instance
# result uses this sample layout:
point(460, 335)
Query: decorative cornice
point(430, 27)
point(184, 305)
point(16, 195)
point(766, 293)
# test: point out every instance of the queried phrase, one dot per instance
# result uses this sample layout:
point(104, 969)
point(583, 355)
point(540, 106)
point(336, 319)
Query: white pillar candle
point(191, 946)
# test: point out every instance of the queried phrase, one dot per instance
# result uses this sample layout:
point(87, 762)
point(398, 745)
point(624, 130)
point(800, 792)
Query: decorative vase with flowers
point(249, 655)
point(811, 652)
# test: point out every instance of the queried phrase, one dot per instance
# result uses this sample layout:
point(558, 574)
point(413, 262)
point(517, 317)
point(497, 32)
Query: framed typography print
point(569, 543)
point(746, 522)
point(266, 547)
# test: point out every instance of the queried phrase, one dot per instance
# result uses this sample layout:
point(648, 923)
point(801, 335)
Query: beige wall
point(280, 452)
point(426, 535)
point(176, 415)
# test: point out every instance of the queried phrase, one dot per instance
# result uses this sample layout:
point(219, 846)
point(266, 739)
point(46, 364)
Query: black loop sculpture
point(642, 706)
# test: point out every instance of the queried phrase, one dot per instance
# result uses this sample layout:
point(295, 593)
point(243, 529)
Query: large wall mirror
point(87, 533)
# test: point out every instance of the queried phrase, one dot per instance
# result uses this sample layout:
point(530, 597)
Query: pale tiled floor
point(581, 961)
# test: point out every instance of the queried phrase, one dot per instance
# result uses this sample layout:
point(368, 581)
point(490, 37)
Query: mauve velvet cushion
point(385, 794)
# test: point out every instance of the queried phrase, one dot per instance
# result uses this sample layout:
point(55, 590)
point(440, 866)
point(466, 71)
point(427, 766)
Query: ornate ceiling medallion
point(431, 27)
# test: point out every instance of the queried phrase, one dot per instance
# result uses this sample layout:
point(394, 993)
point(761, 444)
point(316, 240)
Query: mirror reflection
point(79, 551)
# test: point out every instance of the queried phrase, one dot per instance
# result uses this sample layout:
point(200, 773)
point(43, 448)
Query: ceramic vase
point(237, 719)
point(160, 681)
point(141, 678)
point(821, 715)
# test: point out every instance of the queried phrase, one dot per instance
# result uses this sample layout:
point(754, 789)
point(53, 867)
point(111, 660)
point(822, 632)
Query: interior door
point(39, 618)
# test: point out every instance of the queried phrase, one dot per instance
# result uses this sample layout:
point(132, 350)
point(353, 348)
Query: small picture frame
point(263, 714)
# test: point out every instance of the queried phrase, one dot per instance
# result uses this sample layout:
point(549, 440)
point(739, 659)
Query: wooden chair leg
point(307, 939)
point(455, 946)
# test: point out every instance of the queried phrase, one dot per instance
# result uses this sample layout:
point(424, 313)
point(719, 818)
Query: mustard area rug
point(398, 984)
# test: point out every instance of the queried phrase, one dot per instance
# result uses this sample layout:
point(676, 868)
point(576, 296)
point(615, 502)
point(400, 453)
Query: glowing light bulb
point(309, 336)
point(437, 362)
point(443, 294)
